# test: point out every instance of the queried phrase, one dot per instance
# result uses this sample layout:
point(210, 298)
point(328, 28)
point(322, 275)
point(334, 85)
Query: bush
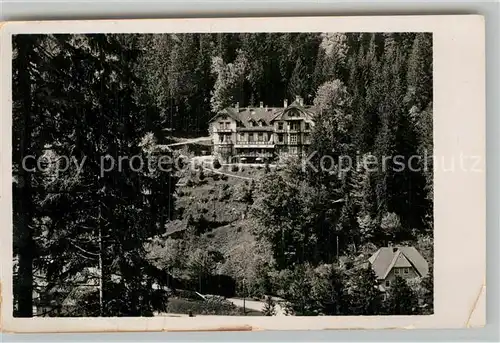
point(267, 167)
point(201, 175)
point(209, 173)
point(234, 168)
point(223, 177)
point(224, 192)
point(216, 164)
point(269, 307)
point(211, 306)
point(243, 192)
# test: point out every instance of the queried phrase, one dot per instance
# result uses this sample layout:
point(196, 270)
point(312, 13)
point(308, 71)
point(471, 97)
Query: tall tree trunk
point(24, 210)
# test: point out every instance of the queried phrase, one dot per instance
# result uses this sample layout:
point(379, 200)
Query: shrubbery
point(211, 306)
point(216, 164)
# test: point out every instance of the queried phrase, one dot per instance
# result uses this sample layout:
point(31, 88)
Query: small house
point(389, 262)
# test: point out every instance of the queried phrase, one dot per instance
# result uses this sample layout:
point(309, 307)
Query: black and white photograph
point(233, 174)
point(242, 174)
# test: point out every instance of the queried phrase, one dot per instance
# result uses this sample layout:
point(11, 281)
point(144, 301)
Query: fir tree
point(269, 307)
point(428, 299)
point(329, 291)
point(419, 75)
point(401, 300)
point(365, 296)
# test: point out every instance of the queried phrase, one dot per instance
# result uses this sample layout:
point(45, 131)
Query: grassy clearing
point(215, 207)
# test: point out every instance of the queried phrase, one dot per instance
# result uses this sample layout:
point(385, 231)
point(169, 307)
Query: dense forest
point(89, 96)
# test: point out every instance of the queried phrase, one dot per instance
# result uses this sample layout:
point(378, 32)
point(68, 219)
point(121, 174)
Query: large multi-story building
point(257, 134)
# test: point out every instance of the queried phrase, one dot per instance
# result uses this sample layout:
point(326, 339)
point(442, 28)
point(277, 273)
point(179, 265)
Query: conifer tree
point(24, 51)
point(364, 294)
point(269, 307)
point(329, 291)
point(401, 300)
point(229, 81)
point(428, 299)
point(419, 75)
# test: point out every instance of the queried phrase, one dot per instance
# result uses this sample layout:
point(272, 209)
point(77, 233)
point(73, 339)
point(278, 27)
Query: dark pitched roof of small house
point(387, 258)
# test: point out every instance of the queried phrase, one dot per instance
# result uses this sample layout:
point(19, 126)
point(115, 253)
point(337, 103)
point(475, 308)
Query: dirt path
point(190, 141)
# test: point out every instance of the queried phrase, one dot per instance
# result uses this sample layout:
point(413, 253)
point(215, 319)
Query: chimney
point(261, 104)
point(285, 103)
point(237, 106)
point(299, 100)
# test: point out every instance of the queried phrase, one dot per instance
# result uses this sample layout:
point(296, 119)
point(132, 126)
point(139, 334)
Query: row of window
point(225, 125)
point(263, 137)
point(289, 150)
point(294, 126)
point(397, 271)
point(252, 137)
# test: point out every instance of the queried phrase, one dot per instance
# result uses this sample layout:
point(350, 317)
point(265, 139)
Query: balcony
point(254, 144)
point(254, 154)
point(225, 142)
point(218, 129)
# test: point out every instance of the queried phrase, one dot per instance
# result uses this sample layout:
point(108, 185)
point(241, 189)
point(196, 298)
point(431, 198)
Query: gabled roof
point(228, 112)
point(306, 112)
point(386, 258)
point(244, 116)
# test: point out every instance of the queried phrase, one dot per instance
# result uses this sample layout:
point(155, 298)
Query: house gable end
point(399, 261)
point(224, 114)
point(417, 260)
point(388, 258)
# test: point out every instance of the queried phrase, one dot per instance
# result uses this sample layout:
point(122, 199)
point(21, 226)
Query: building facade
point(258, 134)
point(405, 262)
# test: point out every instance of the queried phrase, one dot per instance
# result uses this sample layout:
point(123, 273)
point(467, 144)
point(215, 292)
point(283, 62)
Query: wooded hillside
point(89, 96)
